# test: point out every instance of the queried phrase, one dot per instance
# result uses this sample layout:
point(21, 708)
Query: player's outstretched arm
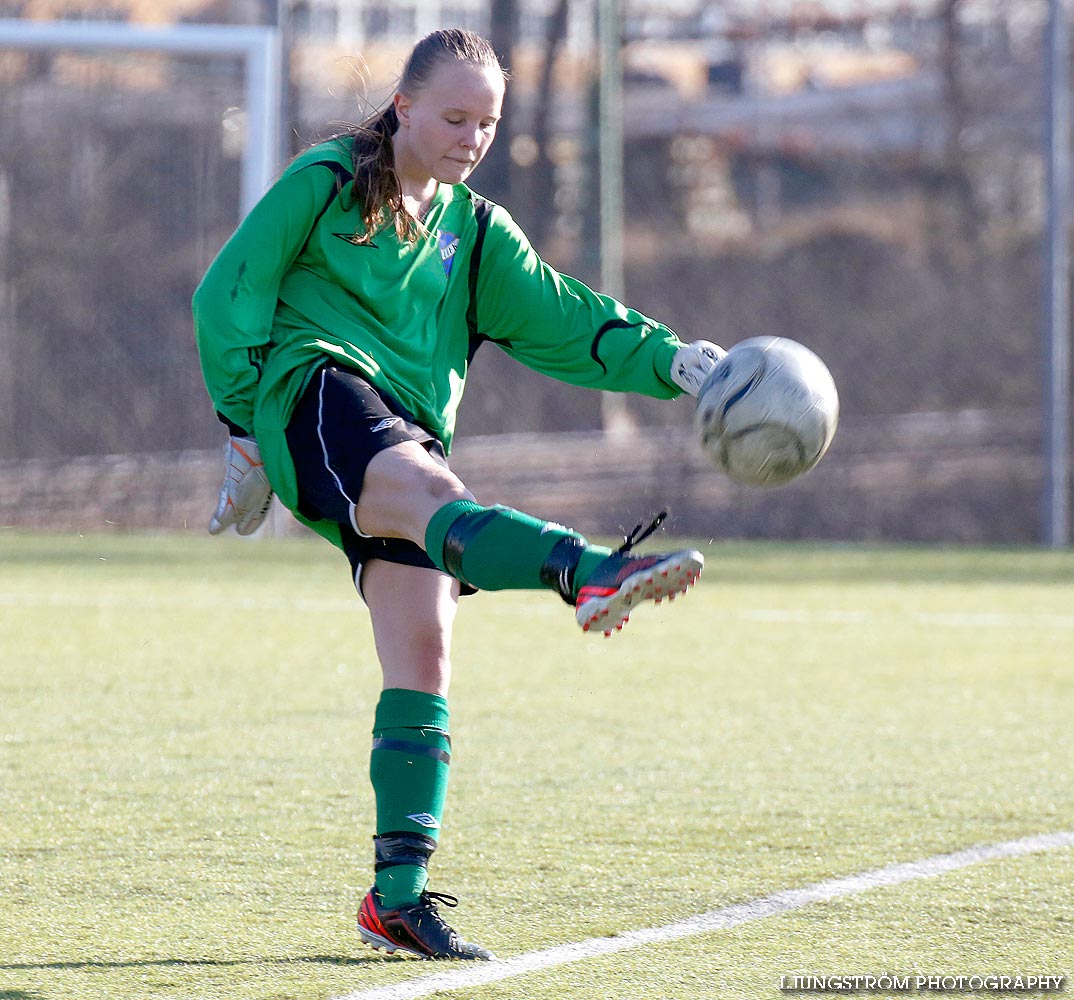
point(561, 327)
point(245, 495)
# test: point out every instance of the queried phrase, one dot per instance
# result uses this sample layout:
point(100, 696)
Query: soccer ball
point(767, 411)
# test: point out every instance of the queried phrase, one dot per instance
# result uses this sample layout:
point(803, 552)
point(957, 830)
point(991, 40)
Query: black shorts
point(340, 422)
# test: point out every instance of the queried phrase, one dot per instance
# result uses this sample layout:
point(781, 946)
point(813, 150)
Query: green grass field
point(184, 808)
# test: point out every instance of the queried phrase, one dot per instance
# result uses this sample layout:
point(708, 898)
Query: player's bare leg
point(407, 494)
point(413, 611)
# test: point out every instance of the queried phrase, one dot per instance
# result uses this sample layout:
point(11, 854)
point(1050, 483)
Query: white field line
point(730, 916)
point(184, 602)
point(775, 616)
point(952, 619)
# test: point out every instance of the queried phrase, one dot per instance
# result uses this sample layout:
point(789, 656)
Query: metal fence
point(869, 180)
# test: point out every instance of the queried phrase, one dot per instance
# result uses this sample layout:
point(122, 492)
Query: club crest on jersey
point(447, 244)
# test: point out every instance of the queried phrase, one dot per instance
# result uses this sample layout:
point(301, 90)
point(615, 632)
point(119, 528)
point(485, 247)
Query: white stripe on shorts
point(352, 507)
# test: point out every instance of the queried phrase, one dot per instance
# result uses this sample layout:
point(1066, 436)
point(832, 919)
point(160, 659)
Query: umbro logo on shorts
point(385, 424)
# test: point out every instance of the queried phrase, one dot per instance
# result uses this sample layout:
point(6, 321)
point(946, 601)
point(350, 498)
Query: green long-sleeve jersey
point(294, 287)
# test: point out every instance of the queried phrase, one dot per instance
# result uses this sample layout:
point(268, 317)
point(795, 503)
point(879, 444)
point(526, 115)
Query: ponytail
point(376, 184)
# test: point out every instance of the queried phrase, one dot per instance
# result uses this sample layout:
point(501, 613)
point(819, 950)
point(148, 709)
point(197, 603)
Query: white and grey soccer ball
point(767, 411)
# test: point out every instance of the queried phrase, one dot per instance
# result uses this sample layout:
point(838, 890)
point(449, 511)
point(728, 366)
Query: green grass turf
point(184, 809)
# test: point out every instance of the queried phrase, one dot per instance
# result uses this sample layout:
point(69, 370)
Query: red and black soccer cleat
point(623, 581)
point(417, 930)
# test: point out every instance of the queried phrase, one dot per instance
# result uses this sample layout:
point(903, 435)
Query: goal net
point(128, 156)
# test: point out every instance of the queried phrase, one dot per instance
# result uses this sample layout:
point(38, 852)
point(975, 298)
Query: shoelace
point(428, 901)
point(637, 535)
point(431, 898)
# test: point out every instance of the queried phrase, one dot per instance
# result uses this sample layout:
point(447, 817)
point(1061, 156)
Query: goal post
point(257, 45)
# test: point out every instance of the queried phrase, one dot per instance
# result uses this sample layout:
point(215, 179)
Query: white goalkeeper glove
point(246, 495)
point(692, 364)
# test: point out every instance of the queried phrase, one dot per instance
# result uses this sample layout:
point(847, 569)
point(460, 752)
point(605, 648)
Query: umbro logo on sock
point(385, 424)
point(425, 820)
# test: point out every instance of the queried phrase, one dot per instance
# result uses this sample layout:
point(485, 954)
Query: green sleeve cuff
point(662, 361)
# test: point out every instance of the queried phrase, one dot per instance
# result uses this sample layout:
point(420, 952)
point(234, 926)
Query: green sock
point(409, 770)
point(497, 548)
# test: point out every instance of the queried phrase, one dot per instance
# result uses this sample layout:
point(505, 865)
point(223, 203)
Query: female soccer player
point(335, 328)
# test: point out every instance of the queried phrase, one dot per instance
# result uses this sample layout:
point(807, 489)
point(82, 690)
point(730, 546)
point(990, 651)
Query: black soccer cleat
point(416, 930)
point(622, 581)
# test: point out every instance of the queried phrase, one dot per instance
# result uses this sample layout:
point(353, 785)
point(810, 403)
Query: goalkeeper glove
point(692, 364)
point(246, 494)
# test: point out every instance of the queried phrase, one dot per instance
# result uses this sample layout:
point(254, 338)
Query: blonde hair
point(376, 184)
